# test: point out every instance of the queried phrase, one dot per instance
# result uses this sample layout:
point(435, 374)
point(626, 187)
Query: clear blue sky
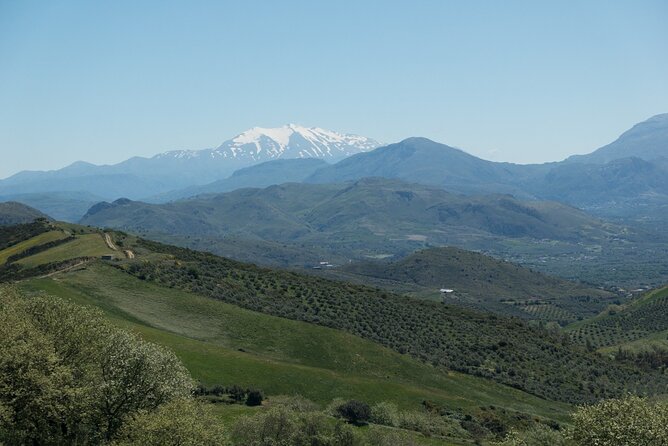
point(519, 81)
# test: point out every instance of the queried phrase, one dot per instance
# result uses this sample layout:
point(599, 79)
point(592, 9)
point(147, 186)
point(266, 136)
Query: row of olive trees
point(67, 376)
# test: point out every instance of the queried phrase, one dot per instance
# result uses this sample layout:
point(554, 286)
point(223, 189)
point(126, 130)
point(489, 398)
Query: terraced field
point(86, 245)
point(40, 239)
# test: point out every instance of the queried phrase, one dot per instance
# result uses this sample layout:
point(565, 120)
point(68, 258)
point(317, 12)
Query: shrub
point(386, 414)
point(355, 412)
point(539, 435)
point(280, 426)
point(254, 398)
point(183, 422)
point(426, 423)
point(296, 403)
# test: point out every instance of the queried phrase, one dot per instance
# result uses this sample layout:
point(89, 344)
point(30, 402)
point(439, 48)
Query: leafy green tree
point(181, 422)
point(67, 376)
point(628, 421)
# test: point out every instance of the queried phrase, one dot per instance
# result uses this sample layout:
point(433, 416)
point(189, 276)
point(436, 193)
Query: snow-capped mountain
point(140, 177)
point(290, 141)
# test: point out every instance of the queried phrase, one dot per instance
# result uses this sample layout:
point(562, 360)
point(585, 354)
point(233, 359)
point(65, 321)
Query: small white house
point(447, 290)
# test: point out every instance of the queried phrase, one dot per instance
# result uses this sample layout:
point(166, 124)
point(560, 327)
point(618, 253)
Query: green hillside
point(222, 343)
point(642, 322)
point(505, 350)
point(235, 323)
point(481, 282)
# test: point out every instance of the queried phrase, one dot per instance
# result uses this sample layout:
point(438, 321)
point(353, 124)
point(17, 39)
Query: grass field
point(85, 245)
point(221, 343)
point(40, 239)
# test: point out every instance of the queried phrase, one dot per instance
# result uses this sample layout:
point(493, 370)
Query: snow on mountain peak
point(260, 144)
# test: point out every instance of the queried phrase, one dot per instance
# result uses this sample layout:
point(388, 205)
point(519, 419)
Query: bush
point(280, 426)
point(389, 438)
point(426, 423)
point(178, 423)
point(355, 412)
point(386, 414)
point(296, 403)
point(539, 435)
point(254, 398)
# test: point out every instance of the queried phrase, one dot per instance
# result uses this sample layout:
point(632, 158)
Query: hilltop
point(481, 282)
point(13, 213)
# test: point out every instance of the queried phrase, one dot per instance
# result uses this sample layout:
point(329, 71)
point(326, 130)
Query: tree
point(626, 421)
point(355, 412)
point(67, 376)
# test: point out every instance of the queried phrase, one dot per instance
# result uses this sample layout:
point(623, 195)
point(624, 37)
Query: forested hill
point(481, 282)
point(505, 350)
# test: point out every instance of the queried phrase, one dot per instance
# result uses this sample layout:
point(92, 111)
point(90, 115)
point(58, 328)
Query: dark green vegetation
point(482, 283)
point(642, 321)
point(298, 224)
point(505, 350)
point(13, 213)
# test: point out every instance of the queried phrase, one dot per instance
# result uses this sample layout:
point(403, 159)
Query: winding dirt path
point(110, 243)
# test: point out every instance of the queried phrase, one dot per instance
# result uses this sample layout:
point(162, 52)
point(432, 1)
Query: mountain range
point(144, 177)
point(627, 178)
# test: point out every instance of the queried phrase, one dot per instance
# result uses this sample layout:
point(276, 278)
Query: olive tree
point(67, 376)
point(627, 421)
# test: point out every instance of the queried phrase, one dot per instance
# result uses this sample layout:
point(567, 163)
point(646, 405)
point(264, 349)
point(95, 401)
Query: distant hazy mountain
point(13, 213)
point(62, 206)
point(625, 179)
point(628, 178)
point(143, 177)
point(366, 217)
point(262, 175)
point(647, 140)
point(423, 161)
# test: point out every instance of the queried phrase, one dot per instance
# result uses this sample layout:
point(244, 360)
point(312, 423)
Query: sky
point(518, 81)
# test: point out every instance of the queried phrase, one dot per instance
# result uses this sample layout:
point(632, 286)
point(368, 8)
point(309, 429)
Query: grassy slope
point(641, 323)
point(84, 245)
point(280, 356)
point(40, 239)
